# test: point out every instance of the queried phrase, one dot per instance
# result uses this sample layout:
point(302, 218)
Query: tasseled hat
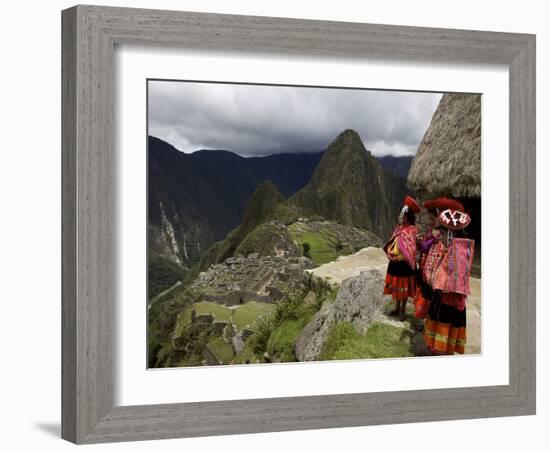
point(410, 203)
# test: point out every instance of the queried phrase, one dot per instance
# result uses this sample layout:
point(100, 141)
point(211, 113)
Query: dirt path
point(163, 293)
point(352, 265)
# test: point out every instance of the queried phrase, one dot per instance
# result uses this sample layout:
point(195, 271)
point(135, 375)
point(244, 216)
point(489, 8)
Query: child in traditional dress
point(401, 251)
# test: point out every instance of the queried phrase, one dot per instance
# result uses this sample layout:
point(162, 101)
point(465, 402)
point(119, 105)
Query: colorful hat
point(444, 203)
point(453, 219)
point(411, 204)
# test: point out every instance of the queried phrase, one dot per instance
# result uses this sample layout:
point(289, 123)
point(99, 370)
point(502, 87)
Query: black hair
point(461, 233)
point(409, 215)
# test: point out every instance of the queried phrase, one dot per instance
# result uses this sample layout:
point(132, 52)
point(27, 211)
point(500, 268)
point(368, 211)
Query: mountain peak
point(348, 141)
point(349, 186)
point(349, 132)
point(346, 137)
point(262, 203)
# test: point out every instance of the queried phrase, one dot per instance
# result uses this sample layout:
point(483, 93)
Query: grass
point(248, 354)
point(162, 321)
point(380, 341)
point(220, 313)
point(222, 350)
point(263, 327)
point(248, 313)
point(275, 328)
point(323, 244)
point(242, 316)
point(321, 251)
point(264, 239)
point(281, 343)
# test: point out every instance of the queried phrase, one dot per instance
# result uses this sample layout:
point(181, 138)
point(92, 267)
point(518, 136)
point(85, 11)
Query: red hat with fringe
point(411, 204)
point(444, 203)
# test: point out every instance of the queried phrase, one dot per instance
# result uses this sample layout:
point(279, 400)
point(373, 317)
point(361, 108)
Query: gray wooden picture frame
point(89, 37)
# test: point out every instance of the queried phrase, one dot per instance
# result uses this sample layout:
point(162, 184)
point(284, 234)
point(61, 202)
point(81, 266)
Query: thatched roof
point(448, 160)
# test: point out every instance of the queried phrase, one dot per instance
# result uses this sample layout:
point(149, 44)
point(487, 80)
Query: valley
point(248, 297)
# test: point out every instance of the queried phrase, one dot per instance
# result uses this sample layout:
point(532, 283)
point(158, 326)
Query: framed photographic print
point(267, 222)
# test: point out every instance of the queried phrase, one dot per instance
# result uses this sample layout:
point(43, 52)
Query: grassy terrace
point(323, 244)
point(248, 313)
point(242, 316)
point(222, 350)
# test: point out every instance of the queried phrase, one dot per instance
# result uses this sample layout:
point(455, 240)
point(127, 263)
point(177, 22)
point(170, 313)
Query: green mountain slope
point(350, 187)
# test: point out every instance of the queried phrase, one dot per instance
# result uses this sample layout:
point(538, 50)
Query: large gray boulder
point(359, 301)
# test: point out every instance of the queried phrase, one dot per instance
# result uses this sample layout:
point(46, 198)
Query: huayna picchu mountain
point(350, 187)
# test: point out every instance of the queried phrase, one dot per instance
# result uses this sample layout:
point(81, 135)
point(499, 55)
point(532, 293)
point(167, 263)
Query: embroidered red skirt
point(445, 327)
point(400, 287)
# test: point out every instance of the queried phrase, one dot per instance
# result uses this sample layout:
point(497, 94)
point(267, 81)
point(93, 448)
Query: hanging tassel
point(402, 214)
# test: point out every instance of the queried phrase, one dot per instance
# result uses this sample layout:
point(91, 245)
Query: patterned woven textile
point(432, 262)
point(407, 244)
point(445, 325)
point(444, 338)
point(400, 288)
point(454, 272)
point(406, 241)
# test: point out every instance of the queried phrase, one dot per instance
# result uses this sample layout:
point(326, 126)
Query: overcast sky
point(256, 120)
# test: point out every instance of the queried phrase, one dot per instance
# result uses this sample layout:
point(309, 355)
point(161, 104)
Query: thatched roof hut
point(448, 160)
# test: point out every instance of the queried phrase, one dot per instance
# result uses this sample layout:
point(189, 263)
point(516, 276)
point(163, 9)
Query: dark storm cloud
point(261, 120)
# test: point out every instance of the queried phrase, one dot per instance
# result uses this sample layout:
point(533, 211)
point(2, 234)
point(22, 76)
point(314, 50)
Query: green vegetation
point(162, 274)
point(220, 313)
point(248, 355)
point(285, 213)
point(245, 315)
point(188, 348)
point(218, 251)
point(263, 240)
point(349, 187)
point(261, 206)
point(277, 333)
point(242, 316)
point(380, 341)
point(320, 287)
point(319, 245)
point(265, 204)
point(162, 318)
point(262, 332)
point(222, 350)
point(281, 342)
point(320, 249)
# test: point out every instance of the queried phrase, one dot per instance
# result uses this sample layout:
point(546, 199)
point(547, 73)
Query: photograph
point(291, 224)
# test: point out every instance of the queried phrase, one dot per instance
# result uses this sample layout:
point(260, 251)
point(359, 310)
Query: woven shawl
point(406, 241)
point(458, 266)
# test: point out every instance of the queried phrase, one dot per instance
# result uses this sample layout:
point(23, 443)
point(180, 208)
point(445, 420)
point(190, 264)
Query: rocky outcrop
point(359, 302)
